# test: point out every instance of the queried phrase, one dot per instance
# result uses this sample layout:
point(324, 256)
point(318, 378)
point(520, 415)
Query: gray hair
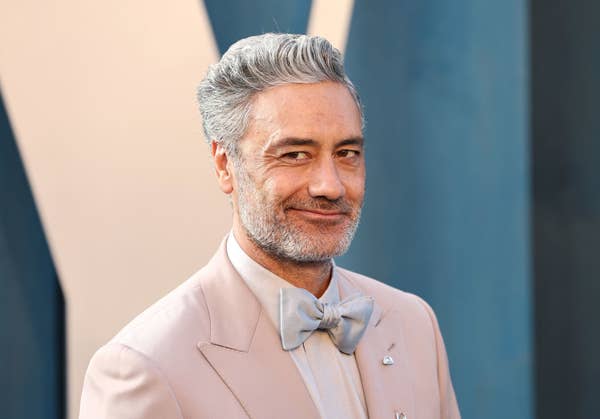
point(255, 64)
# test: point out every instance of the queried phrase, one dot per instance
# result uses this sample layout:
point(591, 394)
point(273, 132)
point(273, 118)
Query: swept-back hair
point(255, 64)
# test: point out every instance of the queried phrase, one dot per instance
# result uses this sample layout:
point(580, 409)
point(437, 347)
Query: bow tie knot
point(331, 316)
point(301, 314)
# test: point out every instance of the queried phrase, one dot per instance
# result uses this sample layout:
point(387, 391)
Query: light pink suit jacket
point(208, 350)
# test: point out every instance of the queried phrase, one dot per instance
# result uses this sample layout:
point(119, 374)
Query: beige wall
point(101, 99)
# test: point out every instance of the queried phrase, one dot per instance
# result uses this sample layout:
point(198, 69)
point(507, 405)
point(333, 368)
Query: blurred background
point(483, 190)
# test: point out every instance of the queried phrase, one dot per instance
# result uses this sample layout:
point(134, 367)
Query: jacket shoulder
point(388, 297)
point(108, 392)
point(179, 319)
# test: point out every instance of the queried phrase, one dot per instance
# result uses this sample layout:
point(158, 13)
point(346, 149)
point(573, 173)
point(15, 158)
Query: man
point(271, 327)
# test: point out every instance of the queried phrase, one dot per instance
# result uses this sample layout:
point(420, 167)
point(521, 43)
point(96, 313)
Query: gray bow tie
point(301, 314)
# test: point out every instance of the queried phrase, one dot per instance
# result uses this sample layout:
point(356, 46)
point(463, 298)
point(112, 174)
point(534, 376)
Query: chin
point(321, 250)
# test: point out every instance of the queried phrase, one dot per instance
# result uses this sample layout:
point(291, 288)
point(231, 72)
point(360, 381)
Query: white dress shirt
point(331, 377)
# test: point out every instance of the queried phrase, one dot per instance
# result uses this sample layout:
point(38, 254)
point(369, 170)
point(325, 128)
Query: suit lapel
point(387, 388)
point(245, 349)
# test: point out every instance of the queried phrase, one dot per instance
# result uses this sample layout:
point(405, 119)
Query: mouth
point(320, 214)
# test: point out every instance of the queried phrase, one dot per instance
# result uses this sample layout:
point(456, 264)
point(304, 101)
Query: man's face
point(299, 181)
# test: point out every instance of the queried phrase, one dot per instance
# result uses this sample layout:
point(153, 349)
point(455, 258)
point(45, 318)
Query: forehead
point(323, 111)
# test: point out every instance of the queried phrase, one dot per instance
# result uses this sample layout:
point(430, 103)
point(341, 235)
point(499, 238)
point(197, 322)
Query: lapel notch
point(233, 309)
point(245, 349)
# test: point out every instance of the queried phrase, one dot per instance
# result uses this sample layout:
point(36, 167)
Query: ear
point(222, 167)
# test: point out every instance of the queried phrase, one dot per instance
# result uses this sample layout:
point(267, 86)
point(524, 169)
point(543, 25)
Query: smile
point(319, 214)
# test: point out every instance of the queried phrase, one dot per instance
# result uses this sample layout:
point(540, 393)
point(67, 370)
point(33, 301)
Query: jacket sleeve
point(448, 404)
point(121, 383)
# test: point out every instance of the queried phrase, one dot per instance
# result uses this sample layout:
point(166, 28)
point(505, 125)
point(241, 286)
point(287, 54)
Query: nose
point(325, 181)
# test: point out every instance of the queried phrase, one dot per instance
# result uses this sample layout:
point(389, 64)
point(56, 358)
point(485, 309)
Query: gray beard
point(271, 232)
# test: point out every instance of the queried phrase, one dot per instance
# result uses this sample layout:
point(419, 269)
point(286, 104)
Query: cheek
point(279, 186)
point(355, 185)
point(268, 190)
point(269, 185)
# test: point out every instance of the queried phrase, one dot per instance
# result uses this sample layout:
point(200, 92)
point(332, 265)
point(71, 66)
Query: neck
point(312, 276)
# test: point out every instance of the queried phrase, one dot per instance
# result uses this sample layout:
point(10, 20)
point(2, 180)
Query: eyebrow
point(293, 141)
point(352, 141)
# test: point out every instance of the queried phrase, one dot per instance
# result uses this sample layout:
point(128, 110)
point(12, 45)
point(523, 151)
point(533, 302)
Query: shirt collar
point(265, 285)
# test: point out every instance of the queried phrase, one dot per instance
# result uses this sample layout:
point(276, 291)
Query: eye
point(296, 155)
point(348, 153)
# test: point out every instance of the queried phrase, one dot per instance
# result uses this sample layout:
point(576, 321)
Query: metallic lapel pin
point(400, 416)
point(388, 360)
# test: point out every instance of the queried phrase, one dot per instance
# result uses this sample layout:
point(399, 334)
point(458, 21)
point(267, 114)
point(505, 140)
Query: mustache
point(320, 203)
